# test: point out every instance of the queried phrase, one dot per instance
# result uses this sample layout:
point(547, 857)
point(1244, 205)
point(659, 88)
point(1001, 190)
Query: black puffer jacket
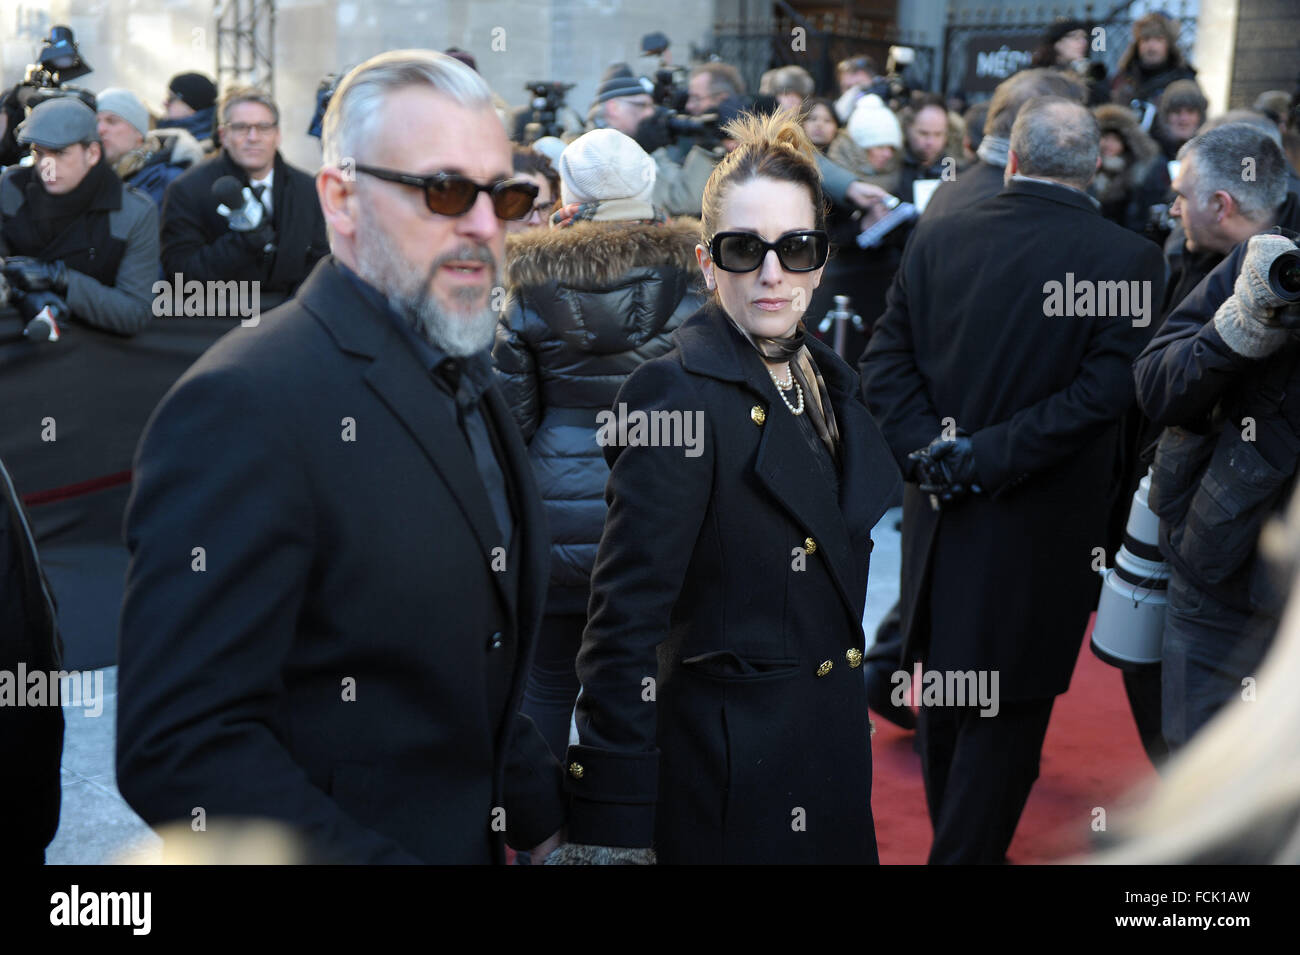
point(588, 304)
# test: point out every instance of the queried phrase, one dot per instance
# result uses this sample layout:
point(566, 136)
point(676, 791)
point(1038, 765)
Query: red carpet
point(1092, 756)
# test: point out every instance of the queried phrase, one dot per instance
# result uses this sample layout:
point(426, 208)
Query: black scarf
point(794, 350)
point(72, 227)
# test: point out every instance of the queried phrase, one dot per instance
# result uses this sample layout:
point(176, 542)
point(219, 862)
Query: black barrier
point(73, 412)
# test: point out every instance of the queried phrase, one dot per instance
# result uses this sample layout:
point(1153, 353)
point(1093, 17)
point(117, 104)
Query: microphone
point(243, 210)
point(49, 309)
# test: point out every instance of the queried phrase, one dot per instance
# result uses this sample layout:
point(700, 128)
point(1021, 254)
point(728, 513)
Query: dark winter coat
point(198, 242)
point(348, 542)
point(723, 715)
point(122, 304)
point(1128, 185)
point(31, 737)
point(159, 161)
point(1190, 382)
point(590, 302)
point(1004, 581)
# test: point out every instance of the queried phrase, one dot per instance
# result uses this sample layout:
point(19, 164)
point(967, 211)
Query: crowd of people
point(387, 544)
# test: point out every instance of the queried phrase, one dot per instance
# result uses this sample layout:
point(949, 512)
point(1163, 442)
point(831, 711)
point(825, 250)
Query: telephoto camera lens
point(1284, 276)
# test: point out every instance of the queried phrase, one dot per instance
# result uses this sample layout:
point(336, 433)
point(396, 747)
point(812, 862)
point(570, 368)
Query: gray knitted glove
point(1246, 321)
point(572, 853)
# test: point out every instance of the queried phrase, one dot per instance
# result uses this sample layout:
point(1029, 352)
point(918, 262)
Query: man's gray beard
point(459, 335)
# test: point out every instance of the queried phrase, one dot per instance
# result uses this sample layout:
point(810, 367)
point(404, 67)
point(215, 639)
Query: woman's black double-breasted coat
point(723, 715)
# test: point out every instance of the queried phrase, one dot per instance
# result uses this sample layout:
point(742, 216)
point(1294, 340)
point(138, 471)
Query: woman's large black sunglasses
point(803, 251)
point(451, 194)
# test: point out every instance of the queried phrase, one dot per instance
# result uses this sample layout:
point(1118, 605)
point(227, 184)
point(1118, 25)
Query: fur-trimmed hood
point(604, 287)
point(591, 255)
point(173, 146)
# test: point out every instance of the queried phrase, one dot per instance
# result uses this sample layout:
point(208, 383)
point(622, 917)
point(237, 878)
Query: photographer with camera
point(1218, 208)
point(271, 230)
point(74, 239)
point(1064, 47)
point(1223, 379)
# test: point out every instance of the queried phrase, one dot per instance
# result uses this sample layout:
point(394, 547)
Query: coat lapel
point(710, 345)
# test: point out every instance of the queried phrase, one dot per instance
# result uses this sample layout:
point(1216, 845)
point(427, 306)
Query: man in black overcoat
point(992, 360)
point(201, 243)
point(338, 551)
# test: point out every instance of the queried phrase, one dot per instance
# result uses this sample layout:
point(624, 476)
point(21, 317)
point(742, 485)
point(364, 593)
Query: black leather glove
point(262, 239)
point(945, 469)
point(652, 132)
point(33, 275)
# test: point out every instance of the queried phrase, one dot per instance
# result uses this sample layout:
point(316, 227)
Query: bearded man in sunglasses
point(339, 553)
point(273, 237)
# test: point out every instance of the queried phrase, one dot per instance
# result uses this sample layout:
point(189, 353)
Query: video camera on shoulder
point(546, 114)
point(47, 78)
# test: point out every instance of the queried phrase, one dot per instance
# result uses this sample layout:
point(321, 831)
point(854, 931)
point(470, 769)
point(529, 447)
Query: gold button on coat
point(809, 545)
point(854, 656)
point(758, 414)
point(825, 668)
point(575, 770)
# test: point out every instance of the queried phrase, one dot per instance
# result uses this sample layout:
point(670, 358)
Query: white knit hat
point(605, 165)
point(874, 124)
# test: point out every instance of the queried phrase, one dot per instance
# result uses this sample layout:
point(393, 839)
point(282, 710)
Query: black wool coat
point(198, 243)
point(348, 551)
point(1005, 581)
point(723, 715)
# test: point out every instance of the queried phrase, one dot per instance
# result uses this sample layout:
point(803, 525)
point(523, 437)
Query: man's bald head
point(1056, 138)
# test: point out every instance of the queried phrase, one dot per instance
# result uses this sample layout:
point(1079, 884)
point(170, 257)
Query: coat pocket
point(1228, 509)
point(726, 666)
point(1180, 456)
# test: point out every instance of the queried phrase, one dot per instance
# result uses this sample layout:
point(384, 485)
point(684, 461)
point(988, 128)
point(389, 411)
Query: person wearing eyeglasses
point(723, 715)
point(339, 554)
point(201, 242)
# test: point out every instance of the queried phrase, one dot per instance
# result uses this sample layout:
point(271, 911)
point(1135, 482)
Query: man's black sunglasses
point(803, 251)
point(451, 194)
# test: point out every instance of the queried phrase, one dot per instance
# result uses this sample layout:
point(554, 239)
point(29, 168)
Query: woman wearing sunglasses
point(723, 714)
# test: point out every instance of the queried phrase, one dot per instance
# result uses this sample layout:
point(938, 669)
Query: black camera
point(47, 78)
point(670, 89)
point(541, 117)
point(1284, 276)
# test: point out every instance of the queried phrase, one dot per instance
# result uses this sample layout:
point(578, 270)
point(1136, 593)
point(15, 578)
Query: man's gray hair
point(1056, 138)
point(1013, 92)
point(1220, 160)
point(355, 112)
point(1247, 116)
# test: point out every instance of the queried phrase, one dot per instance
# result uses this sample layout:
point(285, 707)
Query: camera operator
point(1222, 379)
point(71, 234)
point(679, 187)
point(275, 238)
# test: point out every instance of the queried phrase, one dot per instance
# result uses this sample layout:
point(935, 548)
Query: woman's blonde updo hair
point(769, 146)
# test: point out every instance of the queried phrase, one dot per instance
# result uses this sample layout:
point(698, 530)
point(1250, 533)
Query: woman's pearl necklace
point(780, 390)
